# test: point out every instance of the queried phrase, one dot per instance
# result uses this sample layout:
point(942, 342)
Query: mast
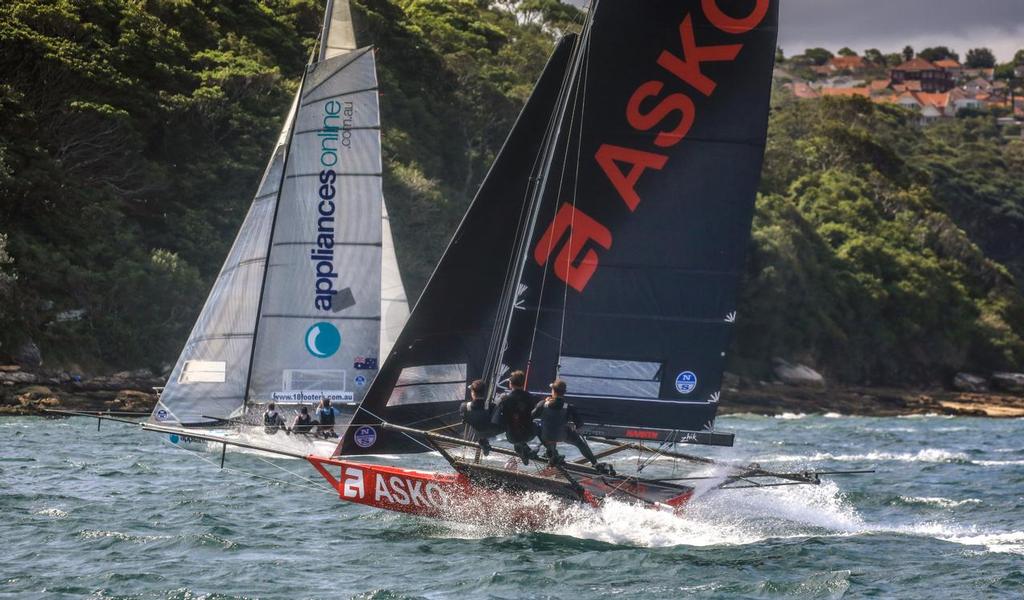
point(521, 257)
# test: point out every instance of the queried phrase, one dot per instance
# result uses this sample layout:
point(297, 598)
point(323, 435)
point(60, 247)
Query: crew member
point(273, 421)
point(559, 422)
point(303, 423)
point(477, 415)
point(513, 415)
point(325, 419)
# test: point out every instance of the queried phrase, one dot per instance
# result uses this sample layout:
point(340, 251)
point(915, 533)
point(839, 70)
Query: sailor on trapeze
point(477, 415)
point(513, 414)
point(558, 423)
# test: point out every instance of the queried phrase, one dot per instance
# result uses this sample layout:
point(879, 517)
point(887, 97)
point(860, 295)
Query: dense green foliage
point(868, 245)
point(133, 134)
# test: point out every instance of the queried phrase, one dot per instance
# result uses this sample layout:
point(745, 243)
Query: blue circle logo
point(161, 415)
point(365, 437)
point(686, 382)
point(174, 438)
point(323, 340)
point(360, 380)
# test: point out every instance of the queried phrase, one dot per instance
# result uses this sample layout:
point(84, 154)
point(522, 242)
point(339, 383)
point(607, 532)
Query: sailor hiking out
point(303, 423)
point(513, 415)
point(325, 419)
point(478, 416)
point(273, 421)
point(559, 422)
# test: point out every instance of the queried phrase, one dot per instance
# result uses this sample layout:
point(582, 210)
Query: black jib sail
point(622, 277)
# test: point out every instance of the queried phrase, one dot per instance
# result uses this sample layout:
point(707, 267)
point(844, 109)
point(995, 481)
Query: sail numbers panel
point(321, 305)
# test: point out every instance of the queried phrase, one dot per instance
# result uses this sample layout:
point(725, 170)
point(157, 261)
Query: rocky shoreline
point(24, 392)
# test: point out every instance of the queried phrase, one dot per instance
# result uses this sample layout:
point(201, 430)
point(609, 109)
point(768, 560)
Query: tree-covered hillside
point(133, 134)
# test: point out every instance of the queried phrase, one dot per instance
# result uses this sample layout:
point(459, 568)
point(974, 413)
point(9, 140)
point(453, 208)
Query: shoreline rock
point(26, 393)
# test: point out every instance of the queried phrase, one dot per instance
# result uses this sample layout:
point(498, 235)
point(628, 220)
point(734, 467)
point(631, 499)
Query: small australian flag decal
point(364, 363)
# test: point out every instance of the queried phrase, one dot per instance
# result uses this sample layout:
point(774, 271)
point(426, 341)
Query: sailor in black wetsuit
point(302, 423)
point(558, 423)
point(273, 421)
point(513, 415)
point(477, 415)
point(325, 419)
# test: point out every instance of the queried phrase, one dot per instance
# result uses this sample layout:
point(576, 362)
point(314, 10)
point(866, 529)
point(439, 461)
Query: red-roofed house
point(846, 63)
point(932, 78)
point(950, 66)
point(850, 91)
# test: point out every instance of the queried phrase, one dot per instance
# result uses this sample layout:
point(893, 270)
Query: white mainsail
point(296, 312)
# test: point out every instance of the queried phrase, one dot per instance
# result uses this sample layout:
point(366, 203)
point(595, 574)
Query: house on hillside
point(931, 106)
point(950, 66)
point(847, 63)
point(986, 74)
point(846, 91)
point(960, 100)
point(933, 78)
point(978, 86)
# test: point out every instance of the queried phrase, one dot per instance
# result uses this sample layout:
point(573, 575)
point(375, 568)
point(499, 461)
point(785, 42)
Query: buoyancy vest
point(478, 418)
point(272, 421)
point(326, 415)
point(303, 424)
point(554, 420)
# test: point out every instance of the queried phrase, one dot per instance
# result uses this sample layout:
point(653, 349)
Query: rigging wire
point(198, 454)
point(575, 195)
point(550, 148)
point(578, 102)
point(524, 232)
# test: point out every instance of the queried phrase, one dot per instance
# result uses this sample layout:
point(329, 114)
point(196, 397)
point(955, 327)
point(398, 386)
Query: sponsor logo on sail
point(365, 437)
point(664, 107)
point(161, 415)
point(335, 116)
point(323, 340)
point(686, 382)
point(360, 380)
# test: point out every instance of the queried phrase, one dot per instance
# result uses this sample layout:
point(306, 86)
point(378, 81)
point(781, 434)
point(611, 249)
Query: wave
point(938, 501)
point(788, 416)
point(932, 455)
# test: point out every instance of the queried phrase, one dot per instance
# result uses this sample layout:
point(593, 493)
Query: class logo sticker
point(161, 415)
point(360, 381)
point(365, 437)
point(686, 382)
point(323, 340)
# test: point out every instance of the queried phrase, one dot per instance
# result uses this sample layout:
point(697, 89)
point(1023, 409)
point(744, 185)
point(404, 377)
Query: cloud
point(889, 25)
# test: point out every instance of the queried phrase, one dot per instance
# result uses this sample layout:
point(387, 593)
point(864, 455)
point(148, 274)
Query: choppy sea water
point(121, 513)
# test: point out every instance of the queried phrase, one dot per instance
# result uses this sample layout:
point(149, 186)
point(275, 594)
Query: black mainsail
point(606, 243)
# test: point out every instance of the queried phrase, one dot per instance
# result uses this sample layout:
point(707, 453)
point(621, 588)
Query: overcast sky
point(889, 25)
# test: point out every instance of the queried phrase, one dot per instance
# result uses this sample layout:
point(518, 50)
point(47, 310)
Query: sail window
point(428, 384)
point(611, 377)
point(203, 371)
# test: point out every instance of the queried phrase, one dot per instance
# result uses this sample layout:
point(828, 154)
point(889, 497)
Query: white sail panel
point(320, 314)
point(338, 36)
point(224, 331)
point(394, 305)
